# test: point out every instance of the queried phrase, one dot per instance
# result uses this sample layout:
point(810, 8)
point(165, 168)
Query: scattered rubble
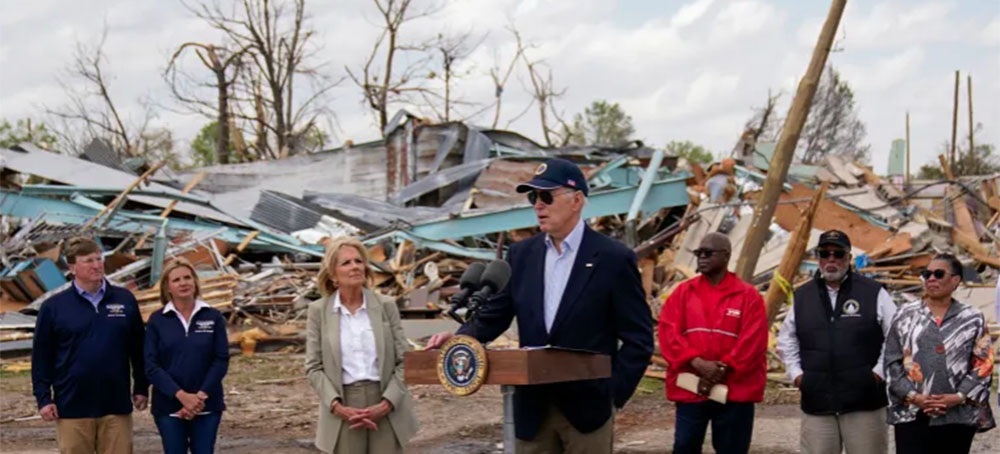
point(431, 199)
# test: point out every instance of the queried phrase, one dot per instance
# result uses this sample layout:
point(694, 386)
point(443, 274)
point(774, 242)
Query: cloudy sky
point(683, 70)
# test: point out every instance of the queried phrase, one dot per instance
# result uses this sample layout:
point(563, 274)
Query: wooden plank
point(900, 281)
point(120, 197)
point(243, 245)
point(646, 266)
point(170, 207)
point(880, 269)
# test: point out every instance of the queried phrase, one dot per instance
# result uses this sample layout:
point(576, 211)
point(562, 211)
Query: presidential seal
point(461, 365)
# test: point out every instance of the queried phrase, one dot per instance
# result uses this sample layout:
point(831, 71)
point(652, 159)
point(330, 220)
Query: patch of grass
point(5, 375)
point(246, 370)
point(649, 386)
point(15, 382)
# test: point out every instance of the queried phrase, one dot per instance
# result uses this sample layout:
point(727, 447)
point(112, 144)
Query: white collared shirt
point(359, 361)
point(198, 305)
point(558, 267)
point(788, 340)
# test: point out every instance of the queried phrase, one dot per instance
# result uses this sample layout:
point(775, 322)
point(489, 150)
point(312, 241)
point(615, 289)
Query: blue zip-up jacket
point(194, 361)
point(80, 358)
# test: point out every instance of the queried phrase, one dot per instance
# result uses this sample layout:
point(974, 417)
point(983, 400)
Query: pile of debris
point(895, 229)
point(430, 199)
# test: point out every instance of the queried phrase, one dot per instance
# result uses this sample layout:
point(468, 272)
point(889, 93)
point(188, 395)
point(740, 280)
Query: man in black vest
point(831, 343)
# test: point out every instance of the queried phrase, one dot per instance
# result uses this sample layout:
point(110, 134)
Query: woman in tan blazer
point(354, 359)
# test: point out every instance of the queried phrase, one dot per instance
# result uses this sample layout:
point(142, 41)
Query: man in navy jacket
point(88, 339)
point(575, 288)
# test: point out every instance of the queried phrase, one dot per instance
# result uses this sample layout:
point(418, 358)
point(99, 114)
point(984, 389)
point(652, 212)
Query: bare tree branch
point(278, 51)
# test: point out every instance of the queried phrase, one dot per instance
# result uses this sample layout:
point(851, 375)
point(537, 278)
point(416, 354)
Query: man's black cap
point(555, 173)
point(835, 238)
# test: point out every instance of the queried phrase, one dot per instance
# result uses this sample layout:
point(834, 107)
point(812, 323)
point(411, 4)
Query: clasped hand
point(193, 403)
point(711, 372)
point(362, 418)
point(936, 404)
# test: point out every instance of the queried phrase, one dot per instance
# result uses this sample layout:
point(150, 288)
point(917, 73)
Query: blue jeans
point(180, 435)
point(732, 427)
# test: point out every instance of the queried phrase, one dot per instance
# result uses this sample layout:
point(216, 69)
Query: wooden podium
point(519, 366)
point(509, 367)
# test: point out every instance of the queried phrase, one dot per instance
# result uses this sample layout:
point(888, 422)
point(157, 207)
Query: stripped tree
point(224, 64)
point(277, 49)
point(387, 83)
point(92, 112)
point(451, 49)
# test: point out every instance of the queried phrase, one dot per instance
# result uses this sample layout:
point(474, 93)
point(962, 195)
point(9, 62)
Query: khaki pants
point(557, 435)
point(111, 434)
point(857, 432)
point(360, 441)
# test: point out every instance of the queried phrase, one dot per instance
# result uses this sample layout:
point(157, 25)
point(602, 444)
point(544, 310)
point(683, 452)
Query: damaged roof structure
point(428, 194)
point(431, 198)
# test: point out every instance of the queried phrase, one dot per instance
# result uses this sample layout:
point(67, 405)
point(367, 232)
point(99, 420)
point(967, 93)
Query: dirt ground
point(272, 409)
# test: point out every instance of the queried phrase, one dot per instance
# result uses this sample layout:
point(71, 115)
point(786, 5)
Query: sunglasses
point(547, 197)
point(938, 274)
point(706, 253)
point(825, 254)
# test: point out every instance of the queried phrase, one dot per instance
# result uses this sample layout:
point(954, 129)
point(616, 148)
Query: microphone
point(494, 278)
point(468, 283)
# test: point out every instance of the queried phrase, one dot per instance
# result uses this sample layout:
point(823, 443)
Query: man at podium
point(574, 288)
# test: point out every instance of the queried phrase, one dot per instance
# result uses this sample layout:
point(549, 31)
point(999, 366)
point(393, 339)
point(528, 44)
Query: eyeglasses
point(825, 254)
point(938, 274)
point(706, 253)
point(547, 196)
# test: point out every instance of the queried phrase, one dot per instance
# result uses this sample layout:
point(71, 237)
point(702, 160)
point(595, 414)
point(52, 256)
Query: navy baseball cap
point(555, 173)
point(835, 238)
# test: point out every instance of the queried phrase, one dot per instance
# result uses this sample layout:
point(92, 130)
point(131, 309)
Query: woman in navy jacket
point(187, 354)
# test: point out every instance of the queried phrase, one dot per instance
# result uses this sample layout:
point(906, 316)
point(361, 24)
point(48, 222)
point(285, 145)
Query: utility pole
point(972, 148)
point(907, 147)
point(785, 149)
point(954, 125)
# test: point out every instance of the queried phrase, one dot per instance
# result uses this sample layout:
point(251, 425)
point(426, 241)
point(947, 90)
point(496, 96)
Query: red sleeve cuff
point(684, 359)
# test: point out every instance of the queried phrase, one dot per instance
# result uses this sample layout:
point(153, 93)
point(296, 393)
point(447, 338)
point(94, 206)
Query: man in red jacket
point(714, 326)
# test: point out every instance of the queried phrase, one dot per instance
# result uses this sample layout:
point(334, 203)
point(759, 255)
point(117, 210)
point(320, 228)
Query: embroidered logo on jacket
point(116, 310)
point(734, 313)
point(204, 326)
point(851, 308)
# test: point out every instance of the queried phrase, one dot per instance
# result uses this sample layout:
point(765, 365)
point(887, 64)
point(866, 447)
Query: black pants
point(919, 437)
point(732, 427)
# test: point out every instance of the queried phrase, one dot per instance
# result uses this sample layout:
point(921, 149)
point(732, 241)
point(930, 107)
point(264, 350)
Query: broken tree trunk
point(785, 150)
point(781, 282)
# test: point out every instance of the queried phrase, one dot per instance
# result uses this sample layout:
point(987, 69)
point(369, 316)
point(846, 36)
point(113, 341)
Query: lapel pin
point(589, 265)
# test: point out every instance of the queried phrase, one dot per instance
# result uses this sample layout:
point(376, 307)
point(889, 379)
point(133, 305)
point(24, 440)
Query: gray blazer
point(323, 366)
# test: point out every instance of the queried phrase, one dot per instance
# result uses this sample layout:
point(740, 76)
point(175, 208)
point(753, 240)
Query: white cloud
point(690, 13)
point(742, 18)
point(691, 73)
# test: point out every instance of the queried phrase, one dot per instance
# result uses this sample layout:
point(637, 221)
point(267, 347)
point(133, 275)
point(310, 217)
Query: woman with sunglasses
point(940, 365)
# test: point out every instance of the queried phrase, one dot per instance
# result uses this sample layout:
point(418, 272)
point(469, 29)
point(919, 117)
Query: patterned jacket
point(955, 357)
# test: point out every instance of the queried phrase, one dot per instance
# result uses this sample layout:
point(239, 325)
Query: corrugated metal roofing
point(78, 172)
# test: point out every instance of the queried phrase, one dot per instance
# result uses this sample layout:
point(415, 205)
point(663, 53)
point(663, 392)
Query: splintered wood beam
point(792, 258)
point(121, 197)
point(170, 207)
